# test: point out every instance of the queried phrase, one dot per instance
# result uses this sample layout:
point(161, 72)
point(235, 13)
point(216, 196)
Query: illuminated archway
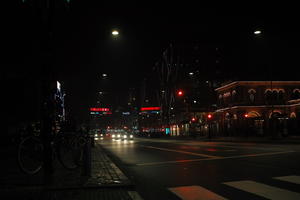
point(253, 114)
point(275, 112)
point(293, 115)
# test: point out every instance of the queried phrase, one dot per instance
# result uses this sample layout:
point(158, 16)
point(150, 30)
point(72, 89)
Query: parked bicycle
point(67, 147)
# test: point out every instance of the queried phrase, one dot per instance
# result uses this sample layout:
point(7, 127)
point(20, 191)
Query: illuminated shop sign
point(100, 109)
point(150, 108)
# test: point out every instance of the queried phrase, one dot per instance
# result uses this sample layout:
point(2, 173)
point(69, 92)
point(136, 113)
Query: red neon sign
point(99, 109)
point(150, 108)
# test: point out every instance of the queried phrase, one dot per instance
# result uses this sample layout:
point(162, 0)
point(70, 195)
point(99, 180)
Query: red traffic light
point(209, 116)
point(180, 93)
point(193, 119)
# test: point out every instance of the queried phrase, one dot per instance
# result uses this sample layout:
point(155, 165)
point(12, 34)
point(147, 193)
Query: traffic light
point(209, 116)
point(180, 93)
point(193, 119)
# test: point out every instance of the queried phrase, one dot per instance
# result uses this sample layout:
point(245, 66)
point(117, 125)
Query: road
point(190, 170)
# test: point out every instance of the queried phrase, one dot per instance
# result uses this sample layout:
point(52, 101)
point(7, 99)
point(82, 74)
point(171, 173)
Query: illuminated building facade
point(258, 108)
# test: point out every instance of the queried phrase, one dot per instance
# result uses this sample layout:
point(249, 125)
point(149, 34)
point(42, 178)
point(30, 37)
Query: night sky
point(83, 48)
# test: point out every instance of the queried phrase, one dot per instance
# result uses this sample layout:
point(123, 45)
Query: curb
point(105, 173)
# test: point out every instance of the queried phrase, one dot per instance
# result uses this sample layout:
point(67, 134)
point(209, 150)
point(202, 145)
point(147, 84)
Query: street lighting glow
point(104, 75)
point(257, 32)
point(191, 73)
point(115, 33)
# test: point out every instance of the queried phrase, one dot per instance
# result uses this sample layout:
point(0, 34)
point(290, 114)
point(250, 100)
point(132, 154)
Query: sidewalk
point(106, 182)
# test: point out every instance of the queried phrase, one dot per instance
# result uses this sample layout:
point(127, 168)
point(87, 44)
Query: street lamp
point(115, 33)
point(257, 32)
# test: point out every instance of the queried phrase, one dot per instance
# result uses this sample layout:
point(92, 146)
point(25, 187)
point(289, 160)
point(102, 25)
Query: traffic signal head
point(180, 93)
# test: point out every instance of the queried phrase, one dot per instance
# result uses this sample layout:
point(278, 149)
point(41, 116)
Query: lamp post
point(271, 124)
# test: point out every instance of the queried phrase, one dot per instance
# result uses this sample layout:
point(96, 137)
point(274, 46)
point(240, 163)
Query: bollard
point(87, 164)
point(93, 141)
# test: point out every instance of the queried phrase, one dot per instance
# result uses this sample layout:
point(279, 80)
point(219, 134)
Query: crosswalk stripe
point(134, 195)
point(291, 179)
point(263, 190)
point(195, 192)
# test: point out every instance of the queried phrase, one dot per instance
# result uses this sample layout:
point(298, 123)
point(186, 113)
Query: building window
point(251, 96)
point(234, 99)
point(268, 96)
point(251, 93)
point(281, 96)
point(296, 94)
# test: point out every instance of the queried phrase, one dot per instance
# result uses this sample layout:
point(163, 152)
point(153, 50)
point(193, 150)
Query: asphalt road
point(180, 169)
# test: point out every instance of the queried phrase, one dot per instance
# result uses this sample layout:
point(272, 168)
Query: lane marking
point(220, 158)
point(195, 193)
point(219, 144)
point(170, 162)
point(134, 195)
point(291, 179)
point(179, 151)
point(263, 190)
point(251, 147)
point(256, 155)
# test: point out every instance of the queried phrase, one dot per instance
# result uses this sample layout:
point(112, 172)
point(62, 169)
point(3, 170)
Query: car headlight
point(131, 136)
point(96, 135)
point(113, 136)
point(119, 135)
point(125, 136)
point(101, 135)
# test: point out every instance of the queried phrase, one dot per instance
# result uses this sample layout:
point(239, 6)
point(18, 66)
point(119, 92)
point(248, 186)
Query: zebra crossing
point(195, 192)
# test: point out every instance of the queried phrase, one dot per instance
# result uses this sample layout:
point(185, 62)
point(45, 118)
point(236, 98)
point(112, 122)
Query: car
point(116, 136)
point(127, 136)
point(98, 136)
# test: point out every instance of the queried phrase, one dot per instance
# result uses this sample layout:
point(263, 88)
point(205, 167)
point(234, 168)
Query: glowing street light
point(257, 32)
point(115, 33)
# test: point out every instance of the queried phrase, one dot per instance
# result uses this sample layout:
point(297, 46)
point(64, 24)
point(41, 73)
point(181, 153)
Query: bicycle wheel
point(30, 154)
point(68, 151)
point(79, 142)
